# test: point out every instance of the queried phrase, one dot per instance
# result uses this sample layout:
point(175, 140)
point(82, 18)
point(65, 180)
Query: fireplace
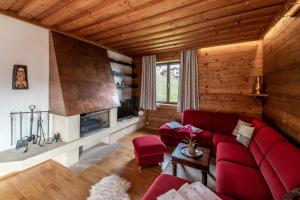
point(94, 121)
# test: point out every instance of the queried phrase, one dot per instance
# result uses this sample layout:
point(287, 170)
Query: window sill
point(166, 105)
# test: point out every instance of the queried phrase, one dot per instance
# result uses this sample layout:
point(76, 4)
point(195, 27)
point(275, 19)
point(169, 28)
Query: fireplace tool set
point(39, 138)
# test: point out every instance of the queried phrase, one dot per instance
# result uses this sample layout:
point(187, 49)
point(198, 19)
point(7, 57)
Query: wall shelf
point(256, 95)
point(126, 86)
point(259, 97)
point(123, 74)
point(121, 63)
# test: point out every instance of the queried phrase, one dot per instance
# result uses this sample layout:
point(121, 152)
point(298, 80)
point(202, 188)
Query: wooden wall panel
point(163, 114)
point(226, 73)
point(282, 76)
point(168, 56)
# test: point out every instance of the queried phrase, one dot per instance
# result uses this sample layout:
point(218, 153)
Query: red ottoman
point(148, 150)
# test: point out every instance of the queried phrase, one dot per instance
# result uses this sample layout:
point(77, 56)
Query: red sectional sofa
point(267, 169)
point(217, 128)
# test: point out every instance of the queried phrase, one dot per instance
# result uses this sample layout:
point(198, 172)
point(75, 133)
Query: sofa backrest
point(258, 124)
point(212, 121)
point(278, 160)
point(200, 119)
point(264, 139)
point(281, 169)
point(225, 123)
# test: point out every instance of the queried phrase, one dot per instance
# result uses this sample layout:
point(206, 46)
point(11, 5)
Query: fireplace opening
point(94, 121)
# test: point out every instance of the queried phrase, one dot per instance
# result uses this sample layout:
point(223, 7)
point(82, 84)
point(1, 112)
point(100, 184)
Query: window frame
point(168, 81)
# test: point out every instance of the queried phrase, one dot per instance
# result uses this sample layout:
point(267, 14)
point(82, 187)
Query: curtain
point(188, 81)
point(148, 85)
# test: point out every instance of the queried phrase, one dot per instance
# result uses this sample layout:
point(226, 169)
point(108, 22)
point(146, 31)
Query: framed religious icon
point(20, 77)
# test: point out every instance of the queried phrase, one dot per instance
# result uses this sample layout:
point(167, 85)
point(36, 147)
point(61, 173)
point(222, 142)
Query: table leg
point(204, 177)
point(174, 167)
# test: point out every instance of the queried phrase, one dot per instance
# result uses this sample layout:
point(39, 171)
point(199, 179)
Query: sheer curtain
point(188, 81)
point(148, 85)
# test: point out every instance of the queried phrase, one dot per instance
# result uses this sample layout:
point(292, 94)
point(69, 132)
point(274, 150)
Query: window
point(167, 80)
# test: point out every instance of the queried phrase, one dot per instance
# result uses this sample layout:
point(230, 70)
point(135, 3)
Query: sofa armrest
point(162, 184)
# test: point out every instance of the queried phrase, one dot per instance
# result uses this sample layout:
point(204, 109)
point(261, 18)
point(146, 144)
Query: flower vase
point(192, 150)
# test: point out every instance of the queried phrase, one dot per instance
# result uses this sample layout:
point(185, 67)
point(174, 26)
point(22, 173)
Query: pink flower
point(192, 135)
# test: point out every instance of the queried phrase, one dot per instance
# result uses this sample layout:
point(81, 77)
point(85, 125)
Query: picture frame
point(20, 77)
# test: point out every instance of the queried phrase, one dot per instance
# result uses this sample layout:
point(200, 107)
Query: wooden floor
point(50, 180)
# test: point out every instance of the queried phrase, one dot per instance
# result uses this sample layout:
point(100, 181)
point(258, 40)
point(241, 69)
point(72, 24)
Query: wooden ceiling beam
point(197, 45)
point(59, 5)
point(210, 37)
point(18, 5)
point(37, 23)
point(240, 30)
point(70, 10)
point(5, 4)
point(100, 13)
point(148, 10)
point(203, 10)
point(244, 23)
point(135, 26)
point(190, 27)
point(36, 7)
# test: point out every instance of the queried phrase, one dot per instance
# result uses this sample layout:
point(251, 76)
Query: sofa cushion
point(247, 119)
point(164, 129)
point(162, 184)
point(169, 136)
point(245, 134)
point(235, 153)
point(238, 126)
point(264, 139)
point(199, 119)
point(148, 145)
point(241, 182)
point(258, 124)
point(225, 122)
point(205, 138)
point(281, 169)
point(218, 137)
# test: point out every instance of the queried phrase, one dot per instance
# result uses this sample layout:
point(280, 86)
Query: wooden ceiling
point(151, 26)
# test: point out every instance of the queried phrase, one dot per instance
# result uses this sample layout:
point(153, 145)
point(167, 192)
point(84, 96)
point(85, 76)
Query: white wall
point(26, 44)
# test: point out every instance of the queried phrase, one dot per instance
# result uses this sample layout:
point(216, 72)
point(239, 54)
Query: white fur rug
point(110, 188)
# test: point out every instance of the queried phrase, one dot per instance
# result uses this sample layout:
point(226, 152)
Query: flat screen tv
point(127, 109)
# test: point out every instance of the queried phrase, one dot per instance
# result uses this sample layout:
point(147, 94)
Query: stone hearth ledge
point(67, 152)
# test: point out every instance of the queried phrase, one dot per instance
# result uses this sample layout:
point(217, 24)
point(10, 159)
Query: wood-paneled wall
point(226, 73)
point(282, 76)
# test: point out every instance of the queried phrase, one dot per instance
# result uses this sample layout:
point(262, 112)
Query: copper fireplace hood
point(81, 79)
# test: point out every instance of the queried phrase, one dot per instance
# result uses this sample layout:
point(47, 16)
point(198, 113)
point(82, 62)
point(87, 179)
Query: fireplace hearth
point(94, 121)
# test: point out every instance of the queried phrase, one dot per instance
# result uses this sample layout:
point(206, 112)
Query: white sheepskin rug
point(110, 188)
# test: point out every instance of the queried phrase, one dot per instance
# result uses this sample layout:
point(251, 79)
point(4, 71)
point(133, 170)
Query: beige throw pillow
point(238, 126)
point(245, 134)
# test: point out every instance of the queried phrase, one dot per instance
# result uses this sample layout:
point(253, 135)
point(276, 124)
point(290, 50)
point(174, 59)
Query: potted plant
point(191, 142)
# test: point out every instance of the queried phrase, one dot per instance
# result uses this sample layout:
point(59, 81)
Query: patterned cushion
point(238, 126)
point(245, 134)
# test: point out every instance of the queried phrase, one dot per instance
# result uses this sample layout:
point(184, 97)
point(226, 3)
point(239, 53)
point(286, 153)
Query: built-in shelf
point(123, 74)
point(126, 86)
point(256, 95)
point(122, 63)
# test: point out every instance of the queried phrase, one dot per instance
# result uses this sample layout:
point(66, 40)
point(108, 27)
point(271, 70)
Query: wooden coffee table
point(201, 163)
